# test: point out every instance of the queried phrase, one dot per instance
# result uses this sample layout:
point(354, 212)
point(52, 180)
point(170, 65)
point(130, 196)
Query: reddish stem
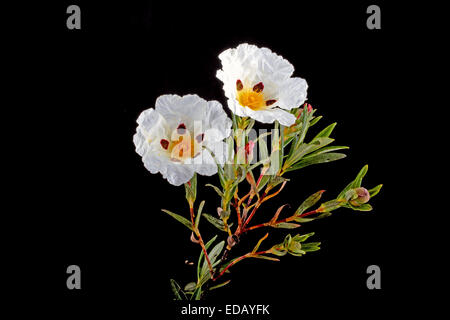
point(248, 255)
point(267, 224)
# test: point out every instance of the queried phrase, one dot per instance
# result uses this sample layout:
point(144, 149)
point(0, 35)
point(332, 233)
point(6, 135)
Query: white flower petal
point(293, 93)
point(158, 138)
point(283, 117)
point(252, 65)
point(204, 164)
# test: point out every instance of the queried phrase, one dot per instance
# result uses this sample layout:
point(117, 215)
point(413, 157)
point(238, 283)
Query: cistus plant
point(183, 137)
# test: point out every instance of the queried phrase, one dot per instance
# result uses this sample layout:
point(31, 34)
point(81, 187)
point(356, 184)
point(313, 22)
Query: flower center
point(182, 146)
point(252, 98)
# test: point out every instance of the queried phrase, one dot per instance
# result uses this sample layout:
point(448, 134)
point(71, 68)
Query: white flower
point(258, 84)
point(172, 136)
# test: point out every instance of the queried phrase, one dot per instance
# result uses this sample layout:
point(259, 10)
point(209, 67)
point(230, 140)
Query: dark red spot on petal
point(200, 137)
point(181, 128)
point(239, 85)
point(258, 87)
point(270, 102)
point(164, 143)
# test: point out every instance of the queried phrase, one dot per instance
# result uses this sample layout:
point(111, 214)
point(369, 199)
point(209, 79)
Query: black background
point(90, 201)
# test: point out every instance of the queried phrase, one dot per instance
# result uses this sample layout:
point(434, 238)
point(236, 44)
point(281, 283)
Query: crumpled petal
point(206, 122)
point(252, 65)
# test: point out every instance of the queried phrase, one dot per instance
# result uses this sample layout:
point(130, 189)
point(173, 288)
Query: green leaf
point(321, 216)
point(319, 143)
point(374, 191)
point(199, 262)
point(320, 158)
point(264, 180)
point(305, 149)
point(197, 295)
point(309, 202)
point(219, 192)
point(191, 190)
point(286, 225)
point(259, 243)
point(301, 238)
point(295, 248)
point(314, 121)
point(355, 183)
point(281, 146)
point(220, 285)
point(360, 176)
point(218, 223)
point(176, 289)
point(331, 205)
point(190, 287)
point(310, 247)
point(325, 132)
point(179, 218)
point(304, 119)
point(213, 254)
point(278, 250)
point(259, 256)
point(276, 180)
point(363, 207)
point(199, 213)
point(327, 149)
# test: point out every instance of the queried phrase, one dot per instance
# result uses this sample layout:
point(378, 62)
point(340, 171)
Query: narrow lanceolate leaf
point(331, 205)
point(275, 217)
point(310, 247)
point(301, 238)
point(355, 183)
point(281, 154)
point(374, 191)
point(360, 176)
point(309, 219)
point(202, 255)
point(286, 225)
point(199, 213)
point(304, 119)
point(327, 149)
point(305, 149)
point(176, 289)
point(213, 254)
point(190, 287)
point(320, 158)
point(319, 143)
point(314, 121)
point(218, 223)
point(220, 285)
point(259, 256)
point(363, 207)
point(265, 179)
point(219, 192)
point(309, 202)
point(325, 132)
point(259, 243)
point(179, 218)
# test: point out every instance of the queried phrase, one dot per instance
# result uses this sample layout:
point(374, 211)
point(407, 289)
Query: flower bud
point(232, 240)
point(300, 111)
point(359, 197)
point(249, 151)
